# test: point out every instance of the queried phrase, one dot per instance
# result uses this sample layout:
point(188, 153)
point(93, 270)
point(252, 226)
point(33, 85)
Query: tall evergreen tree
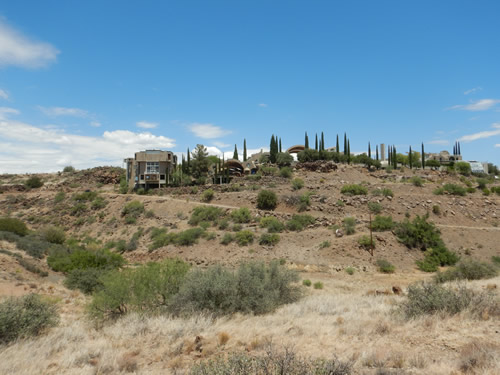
point(188, 167)
point(337, 146)
point(244, 150)
point(280, 144)
point(389, 153)
point(459, 151)
point(369, 151)
point(322, 148)
point(410, 159)
point(345, 144)
point(273, 149)
point(423, 156)
point(316, 143)
point(183, 165)
point(394, 157)
point(235, 153)
point(348, 151)
point(306, 142)
point(376, 152)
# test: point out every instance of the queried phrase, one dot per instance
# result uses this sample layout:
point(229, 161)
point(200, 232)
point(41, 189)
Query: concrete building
point(444, 157)
point(382, 152)
point(150, 168)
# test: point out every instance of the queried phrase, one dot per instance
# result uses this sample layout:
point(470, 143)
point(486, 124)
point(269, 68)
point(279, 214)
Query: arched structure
point(235, 167)
point(295, 149)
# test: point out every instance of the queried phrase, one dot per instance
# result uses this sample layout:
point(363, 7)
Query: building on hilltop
point(150, 168)
point(444, 157)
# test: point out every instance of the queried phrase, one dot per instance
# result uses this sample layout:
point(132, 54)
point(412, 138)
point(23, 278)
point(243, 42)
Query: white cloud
point(26, 148)
point(221, 144)
point(95, 124)
point(263, 105)
point(208, 131)
point(4, 94)
point(442, 142)
point(478, 105)
point(146, 125)
point(5, 111)
point(16, 49)
point(472, 91)
point(63, 111)
point(497, 145)
point(481, 135)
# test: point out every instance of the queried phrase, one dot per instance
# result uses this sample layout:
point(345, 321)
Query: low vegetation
point(467, 270)
point(13, 225)
point(354, 189)
point(299, 222)
point(207, 214)
point(272, 224)
point(451, 189)
point(267, 200)
point(382, 223)
point(349, 224)
point(385, 266)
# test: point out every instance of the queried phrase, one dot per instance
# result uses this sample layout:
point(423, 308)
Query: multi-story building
point(150, 168)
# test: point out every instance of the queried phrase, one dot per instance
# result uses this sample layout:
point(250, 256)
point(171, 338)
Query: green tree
point(280, 145)
point(322, 148)
point(235, 154)
point(306, 142)
point(244, 150)
point(369, 151)
point(348, 152)
point(273, 149)
point(345, 144)
point(316, 143)
point(410, 161)
point(188, 166)
point(376, 153)
point(200, 161)
point(423, 156)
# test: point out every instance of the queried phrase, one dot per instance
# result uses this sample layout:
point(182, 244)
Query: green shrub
point(123, 186)
point(268, 171)
point(299, 222)
point(297, 183)
point(286, 172)
point(54, 235)
point(318, 285)
point(12, 225)
point(270, 239)
point(325, 244)
point(436, 257)
point(306, 282)
point(133, 210)
point(59, 197)
point(254, 288)
point(482, 182)
point(385, 266)
point(22, 317)
point(419, 233)
point(375, 207)
point(237, 227)
point(86, 280)
point(272, 224)
point(267, 200)
point(365, 242)
point(284, 159)
point(207, 195)
point(227, 239)
point(349, 224)
point(463, 168)
point(467, 270)
point(68, 169)
point(64, 260)
point(436, 210)
point(350, 270)
point(98, 203)
point(241, 215)
point(244, 237)
point(354, 189)
point(471, 190)
point(451, 189)
point(33, 245)
point(417, 181)
point(189, 236)
point(486, 192)
point(432, 298)
point(86, 196)
point(496, 260)
point(382, 223)
point(223, 224)
point(78, 209)
point(387, 192)
point(146, 289)
point(34, 182)
point(205, 213)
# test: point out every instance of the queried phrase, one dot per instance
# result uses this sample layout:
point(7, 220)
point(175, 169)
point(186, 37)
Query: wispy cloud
point(263, 105)
point(221, 144)
point(146, 125)
point(6, 111)
point(442, 142)
point(472, 91)
point(478, 105)
point(28, 148)
point(18, 50)
point(3, 94)
point(481, 135)
point(497, 145)
point(95, 124)
point(208, 131)
point(63, 111)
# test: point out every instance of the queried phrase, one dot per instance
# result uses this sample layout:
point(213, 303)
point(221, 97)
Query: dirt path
point(466, 227)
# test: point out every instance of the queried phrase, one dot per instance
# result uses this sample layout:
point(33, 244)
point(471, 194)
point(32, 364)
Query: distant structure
point(150, 168)
point(296, 149)
point(444, 157)
point(382, 152)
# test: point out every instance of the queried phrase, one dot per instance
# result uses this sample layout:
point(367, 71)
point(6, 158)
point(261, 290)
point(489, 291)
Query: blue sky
point(89, 82)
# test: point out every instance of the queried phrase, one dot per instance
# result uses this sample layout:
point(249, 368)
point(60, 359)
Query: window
point(152, 167)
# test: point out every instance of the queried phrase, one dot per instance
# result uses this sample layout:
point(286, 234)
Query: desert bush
point(54, 235)
point(467, 270)
point(133, 210)
point(68, 169)
point(227, 239)
point(306, 282)
point(86, 280)
point(495, 189)
point(59, 197)
point(207, 195)
point(237, 227)
point(382, 223)
point(188, 237)
point(254, 288)
point(270, 239)
point(349, 224)
point(496, 260)
point(272, 363)
point(325, 244)
point(375, 207)
point(417, 181)
point(286, 172)
point(65, 260)
point(244, 237)
point(78, 209)
point(354, 189)
point(463, 168)
point(432, 298)
point(350, 270)
point(146, 289)
point(436, 257)
point(98, 203)
point(365, 242)
point(34, 182)
point(13, 225)
point(451, 189)
point(22, 317)
point(304, 202)
point(272, 224)
point(205, 213)
point(297, 183)
point(86, 196)
point(161, 238)
point(318, 285)
point(419, 233)
point(436, 210)
point(241, 215)
point(299, 222)
point(268, 171)
point(387, 192)
point(385, 266)
point(284, 159)
point(482, 182)
point(267, 200)
point(33, 245)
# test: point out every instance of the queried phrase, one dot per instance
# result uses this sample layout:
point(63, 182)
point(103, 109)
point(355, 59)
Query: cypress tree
point(280, 144)
point(423, 156)
point(376, 152)
point(235, 154)
point(394, 157)
point(348, 152)
point(337, 146)
point(306, 142)
point(369, 151)
point(345, 144)
point(244, 150)
point(322, 148)
point(410, 157)
point(273, 149)
point(316, 143)
point(459, 151)
point(389, 162)
point(188, 167)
